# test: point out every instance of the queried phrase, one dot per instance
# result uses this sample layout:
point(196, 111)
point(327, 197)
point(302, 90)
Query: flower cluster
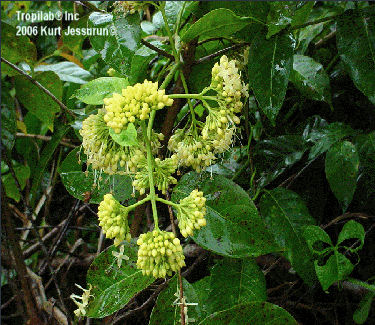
point(113, 219)
point(81, 311)
point(160, 253)
point(162, 174)
point(130, 6)
point(191, 149)
point(198, 148)
point(135, 102)
point(191, 212)
point(102, 152)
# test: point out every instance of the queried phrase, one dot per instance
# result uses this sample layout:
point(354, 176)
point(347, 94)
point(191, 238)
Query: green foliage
point(234, 228)
point(114, 286)
point(95, 91)
point(127, 137)
point(332, 264)
point(286, 215)
point(268, 78)
point(361, 313)
point(78, 183)
point(35, 100)
point(8, 121)
point(67, 71)
point(217, 23)
point(118, 48)
point(310, 78)
point(342, 163)
point(9, 183)
point(356, 46)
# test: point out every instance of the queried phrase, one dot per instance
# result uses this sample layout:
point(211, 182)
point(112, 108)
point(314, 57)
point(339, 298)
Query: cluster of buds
point(84, 300)
point(191, 212)
point(191, 149)
point(113, 219)
point(102, 152)
point(162, 174)
point(160, 253)
point(135, 102)
point(198, 150)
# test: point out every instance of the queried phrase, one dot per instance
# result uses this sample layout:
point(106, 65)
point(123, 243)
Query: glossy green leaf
point(140, 62)
point(310, 78)
point(273, 156)
point(78, 182)
point(67, 71)
point(96, 90)
point(361, 313)
point(117, 49)
point(45, 157)
point(280, 16)
point(256, 313)
point(217, 23)
point(127, 137)
point(365, 145)
point(8, 121)
point(323, 135)
point(35, 100)
point(270, 63)
point(234, 227)
point(7, 180)
point(331, 265)
point(356, 46)
point(114, 286)
point(286, 214)
point(167, 310)
point(235, 282)
point(341, 167)
point(302, 13)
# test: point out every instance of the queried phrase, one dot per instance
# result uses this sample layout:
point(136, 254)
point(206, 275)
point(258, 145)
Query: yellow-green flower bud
point(160, 253)
point(113, 219)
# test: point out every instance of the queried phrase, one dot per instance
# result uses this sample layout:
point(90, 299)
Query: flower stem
point(167, 202)
point(133, 206)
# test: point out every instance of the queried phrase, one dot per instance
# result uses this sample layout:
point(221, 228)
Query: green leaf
point(217, 23)
point(235, 282)
point(126, 137)
point(273, 156)
point(256, 313)
point(113, 287)
point(286, 214)
point(270, 63)
point(167, 311)
point(74, 42)
point(45, 156)
point(67, 71)
point(302, 13)
point(361, 313)
point(78, 182)
point(117, 49)
point(341, 167)
point(8, 120)
point(310, 78)
point(11, 190)
point(331, 265)
point(234, 228)
point(365, 144)
point(140, 62)
point(323, 136)
point(356, 46)
point(96, 90)
point(280, 16)
point(35, 100)
point(16, 48)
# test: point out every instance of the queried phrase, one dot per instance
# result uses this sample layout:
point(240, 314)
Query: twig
point(156, 49)
point(64, 142)
point(182, 305)
point(325, 39)
point(36, 83)
point(346, 216)
point(220, 52)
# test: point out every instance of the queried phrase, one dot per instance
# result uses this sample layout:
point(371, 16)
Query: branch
point(220, 52)
point(36, 83)
point(64, 142)
point(156, 49)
